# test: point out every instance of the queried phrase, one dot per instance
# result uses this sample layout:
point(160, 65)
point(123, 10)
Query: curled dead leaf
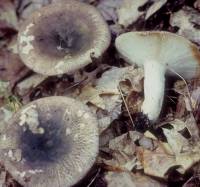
point(186, 20)
point(123, 151)
point(128, 179)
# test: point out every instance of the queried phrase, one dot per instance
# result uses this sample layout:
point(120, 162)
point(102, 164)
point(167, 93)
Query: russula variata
point(160, 53)
point(62, 37)
point(52, 141)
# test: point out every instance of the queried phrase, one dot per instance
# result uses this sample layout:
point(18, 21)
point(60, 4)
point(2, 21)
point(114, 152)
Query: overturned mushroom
point(63, 37)
point(161, 53)
point(50, 142)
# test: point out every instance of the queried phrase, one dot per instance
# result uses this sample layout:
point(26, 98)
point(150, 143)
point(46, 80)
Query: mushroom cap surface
point(61, 37)
point(52, 141)
point(173, 51)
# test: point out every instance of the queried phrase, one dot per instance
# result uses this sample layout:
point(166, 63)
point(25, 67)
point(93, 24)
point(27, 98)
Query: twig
point(119, 88)
point(190, 179)
point(76, 84)
point(94, 178)
point(188, 91)
point(193, 128)
point(171, 99)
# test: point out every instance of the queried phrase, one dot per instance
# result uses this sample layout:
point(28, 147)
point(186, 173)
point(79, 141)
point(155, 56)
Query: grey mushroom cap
point(52, 141)
point(63, 37)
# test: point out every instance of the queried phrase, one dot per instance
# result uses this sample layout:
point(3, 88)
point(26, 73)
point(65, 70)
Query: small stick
point(94, 177)
point(119, 88)
point(194, 130)
point(185, 85)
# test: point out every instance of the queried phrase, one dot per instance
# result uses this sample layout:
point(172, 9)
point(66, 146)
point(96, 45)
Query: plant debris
point(132, 151)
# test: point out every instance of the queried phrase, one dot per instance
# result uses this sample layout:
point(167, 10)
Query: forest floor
point(133, 152)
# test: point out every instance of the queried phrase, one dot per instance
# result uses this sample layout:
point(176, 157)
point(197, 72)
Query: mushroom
point(160, 53)
point(63, 37)
point(52, 141)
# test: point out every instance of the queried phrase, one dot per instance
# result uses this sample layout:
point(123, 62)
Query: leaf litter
point(130, 152)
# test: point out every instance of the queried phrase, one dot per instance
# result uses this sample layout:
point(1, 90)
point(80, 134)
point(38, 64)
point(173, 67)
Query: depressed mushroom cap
point(62, 37)
point(172, 50)
point(52, 141)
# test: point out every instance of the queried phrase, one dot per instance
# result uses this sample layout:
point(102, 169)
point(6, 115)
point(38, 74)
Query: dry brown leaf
point(23, 87)
point(12, 45)
point(157, 163)
point(105, 96)
point(148, 134)
point(123, 151)
point(186, 19)
point(128, 12)
point(154, 8)
point(4, 88)
point(8, 14)
point(5, 115)
point(128, 179)
point(177, 142)
point(188, 159)
point(27, 7)
point(111, 79)
point(3, 178)
point(189, 124)
point(10, 65)
point(146, 143)
point(134, 102)
point(107, 9)
point(108, 86)
point(192, 128)
point(178, 152)
point(195, 98)
point(197, 4)
point(178, 125)
point(106, 107)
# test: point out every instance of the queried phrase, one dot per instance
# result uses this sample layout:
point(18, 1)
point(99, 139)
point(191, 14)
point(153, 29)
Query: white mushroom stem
point(154, 83)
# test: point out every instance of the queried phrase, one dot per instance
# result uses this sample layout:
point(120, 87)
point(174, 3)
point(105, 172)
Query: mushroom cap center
point(62, 33)
point(43, 139)
point(48, 145)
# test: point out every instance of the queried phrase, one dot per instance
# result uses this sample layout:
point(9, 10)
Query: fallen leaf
point(128, 12)
point(3, 178)
point(107, 9)
point(193, 181)
point(192, 128)
point(197, 4)
point(91, 94)
point(5, 116)
point(23, 87)
point(195, 98)
point(10, 66)
point(128, 179)
point(157, 163)
point(186, 20)
point(178, 125)
point(8, 13)
point(177, 142)
point(134, 102)
point(154, 8)
point(104, 95)
point(4, 85)
point(111, 79)
point(179, 152)
point(27, 7)
point(123, 151)
point(146, 143)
